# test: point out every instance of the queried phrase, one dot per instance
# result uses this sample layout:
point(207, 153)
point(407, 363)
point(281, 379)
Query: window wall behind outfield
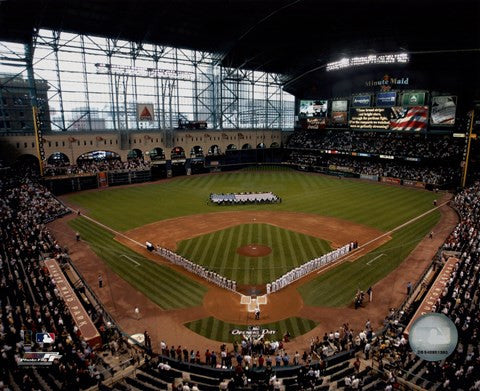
point(181, 85)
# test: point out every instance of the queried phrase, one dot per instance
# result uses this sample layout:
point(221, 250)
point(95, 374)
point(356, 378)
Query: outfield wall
point(67, 184)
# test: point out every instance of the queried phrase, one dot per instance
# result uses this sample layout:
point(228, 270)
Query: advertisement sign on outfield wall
point(369, 177)
point(417, 184)
point(387, 179)
point(145, 112)
point(314, 123)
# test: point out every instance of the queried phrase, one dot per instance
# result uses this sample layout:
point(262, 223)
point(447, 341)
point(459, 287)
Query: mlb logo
point(45, 337)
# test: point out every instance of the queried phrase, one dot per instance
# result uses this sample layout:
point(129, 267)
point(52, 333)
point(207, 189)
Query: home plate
point(245, 300)
point(253, 306)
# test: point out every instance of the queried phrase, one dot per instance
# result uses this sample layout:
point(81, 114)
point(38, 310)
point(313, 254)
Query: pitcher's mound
point(254, 250)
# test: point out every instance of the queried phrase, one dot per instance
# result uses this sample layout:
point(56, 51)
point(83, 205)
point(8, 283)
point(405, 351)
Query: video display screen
point(443, 110)
point(313, 108)
point(339, 105)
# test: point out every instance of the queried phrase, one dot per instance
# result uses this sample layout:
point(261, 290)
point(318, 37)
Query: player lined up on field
point(193, 267)
point(310, 266)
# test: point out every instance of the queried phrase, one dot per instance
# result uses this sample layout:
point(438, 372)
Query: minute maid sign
point(387, 82)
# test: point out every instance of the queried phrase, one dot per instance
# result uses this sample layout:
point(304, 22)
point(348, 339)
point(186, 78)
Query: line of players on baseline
point(193, 267)
point(309, 266)
point(276, 285)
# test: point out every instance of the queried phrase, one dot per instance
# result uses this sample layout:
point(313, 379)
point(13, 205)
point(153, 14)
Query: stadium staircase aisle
point(45, 376)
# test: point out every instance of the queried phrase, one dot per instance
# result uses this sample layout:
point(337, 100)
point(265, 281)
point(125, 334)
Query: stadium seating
point(432, 159)
point(29, 298)
point(29, 301)
point(387, 143)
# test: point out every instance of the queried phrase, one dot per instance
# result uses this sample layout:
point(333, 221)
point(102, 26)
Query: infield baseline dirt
point(120, 298)
point(168, 233)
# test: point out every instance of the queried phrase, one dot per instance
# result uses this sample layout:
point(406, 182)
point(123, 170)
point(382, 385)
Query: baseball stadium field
point(317, 214)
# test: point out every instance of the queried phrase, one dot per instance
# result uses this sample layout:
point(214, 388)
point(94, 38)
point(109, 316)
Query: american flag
point(409, 118)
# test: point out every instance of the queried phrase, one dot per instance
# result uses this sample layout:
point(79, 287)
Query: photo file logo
point(39, 358)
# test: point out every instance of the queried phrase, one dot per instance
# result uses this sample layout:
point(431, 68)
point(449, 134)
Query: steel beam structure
point(96, 83)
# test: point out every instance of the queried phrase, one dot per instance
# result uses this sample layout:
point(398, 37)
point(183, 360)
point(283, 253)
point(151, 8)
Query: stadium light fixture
point(346, 62)
point(142, 72)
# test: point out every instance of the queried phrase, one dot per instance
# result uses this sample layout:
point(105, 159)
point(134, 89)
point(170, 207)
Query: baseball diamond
point(315, 211)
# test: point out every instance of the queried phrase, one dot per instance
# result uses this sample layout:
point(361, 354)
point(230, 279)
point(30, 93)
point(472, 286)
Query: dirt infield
point(168, 233)
point(254, 250)
point(120, 297)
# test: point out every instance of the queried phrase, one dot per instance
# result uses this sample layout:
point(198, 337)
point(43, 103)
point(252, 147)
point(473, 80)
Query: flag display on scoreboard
point(443, 110)
point(390, 118)
point(409, 118)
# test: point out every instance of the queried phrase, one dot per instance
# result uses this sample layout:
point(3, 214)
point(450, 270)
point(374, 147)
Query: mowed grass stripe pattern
point(164, 286)
point(373, 204)
point(218, 251)
point(337, 287)
point(221, 331)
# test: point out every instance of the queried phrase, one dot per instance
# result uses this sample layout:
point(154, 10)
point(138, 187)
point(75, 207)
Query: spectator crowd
point(432, 159)
point(386, 143)
point(431, 174)
point(30, 303)
point(96, 166)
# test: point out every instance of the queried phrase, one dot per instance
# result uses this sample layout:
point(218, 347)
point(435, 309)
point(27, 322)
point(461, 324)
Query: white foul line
point(363, 246)
point(109, 229)
point(135, 262)
point(378, 256)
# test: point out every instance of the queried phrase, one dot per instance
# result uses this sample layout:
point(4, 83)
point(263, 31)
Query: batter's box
point(262, 299)
point(245, 300)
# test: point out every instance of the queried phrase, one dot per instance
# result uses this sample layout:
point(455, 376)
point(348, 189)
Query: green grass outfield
point(217, 251)
point(221, 331)
point(379, 206)
point(164, 286)
point(373, 204)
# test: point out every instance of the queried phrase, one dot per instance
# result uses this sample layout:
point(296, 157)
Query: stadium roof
point(290, 37)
